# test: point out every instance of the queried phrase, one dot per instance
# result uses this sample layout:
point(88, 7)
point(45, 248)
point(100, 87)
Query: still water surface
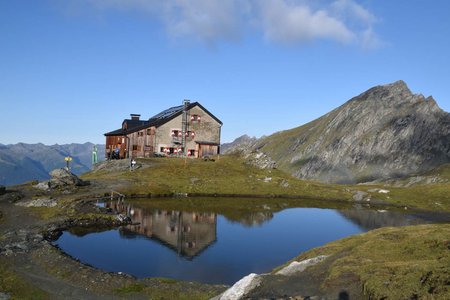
point(213, 248)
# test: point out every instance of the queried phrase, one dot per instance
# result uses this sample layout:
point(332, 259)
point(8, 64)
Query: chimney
point(135, 117)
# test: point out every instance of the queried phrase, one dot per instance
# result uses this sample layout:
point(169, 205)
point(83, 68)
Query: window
point(135, 148)
point(171, 150)
point(190, 135)
point(176, 133)
point(149, 131)
point(195, 118)
point(140, 133)
point(191, 152)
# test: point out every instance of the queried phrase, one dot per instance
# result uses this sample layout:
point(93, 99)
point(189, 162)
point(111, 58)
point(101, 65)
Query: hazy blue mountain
point(23, 162)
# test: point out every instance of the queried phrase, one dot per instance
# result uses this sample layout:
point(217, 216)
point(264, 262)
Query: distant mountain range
point(24, 162)
point(386, 132)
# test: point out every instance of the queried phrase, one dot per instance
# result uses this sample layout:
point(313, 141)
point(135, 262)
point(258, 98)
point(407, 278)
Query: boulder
point(242, 287)
point(63, 178)
point(300, 266)
point(44, 185)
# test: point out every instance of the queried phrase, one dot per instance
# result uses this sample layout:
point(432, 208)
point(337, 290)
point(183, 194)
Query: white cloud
point(354, 10)
point(283, 21)
point(363, 22)
point(290, 23)
point(205, 19)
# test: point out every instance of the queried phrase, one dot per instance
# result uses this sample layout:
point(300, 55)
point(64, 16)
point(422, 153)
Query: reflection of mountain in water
point(372, 219)
point(252, 219)
point(188, 233)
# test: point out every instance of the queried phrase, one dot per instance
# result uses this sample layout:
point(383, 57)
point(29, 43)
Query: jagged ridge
point(385, 132)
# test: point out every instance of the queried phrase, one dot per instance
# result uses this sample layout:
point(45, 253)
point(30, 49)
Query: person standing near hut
point(117, 152)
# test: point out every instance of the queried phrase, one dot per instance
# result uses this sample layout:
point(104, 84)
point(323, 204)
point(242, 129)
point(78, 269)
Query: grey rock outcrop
point(260, 160)
point(241, 144)
point(386, 132)
point(246, 147)
point(61, 178)
point(64, 177)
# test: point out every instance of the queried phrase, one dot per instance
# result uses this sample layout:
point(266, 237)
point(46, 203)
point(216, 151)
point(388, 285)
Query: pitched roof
point(134, 123)
point(157, 120)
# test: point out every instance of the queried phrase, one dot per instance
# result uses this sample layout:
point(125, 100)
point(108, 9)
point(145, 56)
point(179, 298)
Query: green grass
point(227, 175)
point(166, 280)
point(132, 288)
point(165, 288)
point(431, 196)
point(393, 263)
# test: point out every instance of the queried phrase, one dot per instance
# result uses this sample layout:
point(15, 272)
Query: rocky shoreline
point(32, 267)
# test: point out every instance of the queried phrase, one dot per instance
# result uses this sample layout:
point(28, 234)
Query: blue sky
point(72, 70)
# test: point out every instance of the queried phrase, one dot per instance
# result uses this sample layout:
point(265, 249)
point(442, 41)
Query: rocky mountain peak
point(389, 94)
point(399, 86)
point(385, 132)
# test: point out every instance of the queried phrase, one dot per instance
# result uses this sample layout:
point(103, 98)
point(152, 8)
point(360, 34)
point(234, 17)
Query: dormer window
point(195, 118)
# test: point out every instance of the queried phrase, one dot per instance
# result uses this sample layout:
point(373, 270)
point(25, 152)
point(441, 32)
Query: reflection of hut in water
point(188, 233)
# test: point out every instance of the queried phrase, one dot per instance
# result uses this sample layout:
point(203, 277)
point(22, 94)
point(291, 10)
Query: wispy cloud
point(280, 21)
point(362, 20)
point(291, 23)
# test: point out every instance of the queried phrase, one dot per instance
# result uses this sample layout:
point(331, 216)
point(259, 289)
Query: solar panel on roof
point(168, 112)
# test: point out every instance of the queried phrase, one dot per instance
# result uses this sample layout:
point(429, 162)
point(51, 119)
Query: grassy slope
point(230, 175)
point(227, 175)
point(278, 145)
point(392, 263)
point(426, 196)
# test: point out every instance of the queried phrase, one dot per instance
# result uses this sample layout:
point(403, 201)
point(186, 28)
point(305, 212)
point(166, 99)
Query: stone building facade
point(185, 130)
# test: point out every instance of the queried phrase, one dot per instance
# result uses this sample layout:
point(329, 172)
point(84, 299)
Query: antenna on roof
point(184, 125)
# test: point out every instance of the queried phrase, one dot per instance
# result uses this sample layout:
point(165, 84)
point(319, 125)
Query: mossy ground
point(393, 263)
point(15, 285)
